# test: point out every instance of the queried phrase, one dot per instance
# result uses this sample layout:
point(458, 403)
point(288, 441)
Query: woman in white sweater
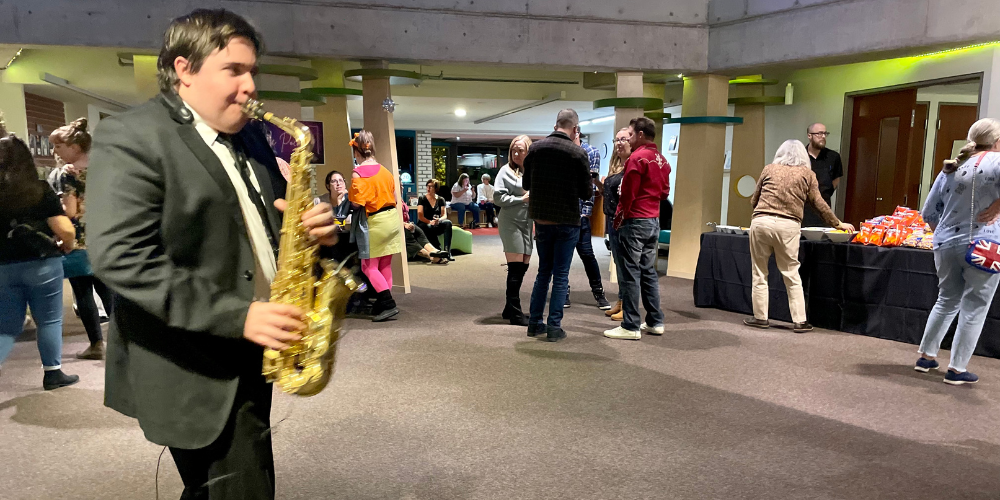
point(515, 226)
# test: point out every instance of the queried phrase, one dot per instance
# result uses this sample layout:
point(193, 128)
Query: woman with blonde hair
point(515, 226)
point(612, 185)
point(72, 145)
point(966, 184)
point(782, 191)
point(377, 225)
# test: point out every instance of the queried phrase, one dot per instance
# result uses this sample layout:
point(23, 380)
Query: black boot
point(512, 310)
point(54, 379)
point(385, 306)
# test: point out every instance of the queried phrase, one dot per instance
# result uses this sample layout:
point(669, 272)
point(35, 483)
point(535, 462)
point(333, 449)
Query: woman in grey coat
point(515, 226)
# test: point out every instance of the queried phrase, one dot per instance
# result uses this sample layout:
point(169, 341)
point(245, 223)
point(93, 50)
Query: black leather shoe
point(535, 329)
point(554, 334)
point(802, 327)
point(757, 323)
point(54, 379)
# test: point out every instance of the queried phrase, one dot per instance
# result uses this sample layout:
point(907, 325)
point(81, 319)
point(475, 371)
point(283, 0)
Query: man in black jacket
point(183, 225)
point(557, 172)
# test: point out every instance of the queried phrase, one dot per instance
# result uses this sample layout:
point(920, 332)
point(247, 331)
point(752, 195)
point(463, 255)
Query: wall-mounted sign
point(283, 144)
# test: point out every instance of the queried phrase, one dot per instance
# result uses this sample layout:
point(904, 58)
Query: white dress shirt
point(264, 257)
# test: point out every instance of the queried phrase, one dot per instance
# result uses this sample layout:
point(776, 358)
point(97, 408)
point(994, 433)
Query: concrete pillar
point(380, 123)
point(698, 189)
point(280, 83)
point(990, 99)
point(629, 84)
point(146, 83)
point(15, 116)
point(748, 152)
point(336, 124)
point(658, 91)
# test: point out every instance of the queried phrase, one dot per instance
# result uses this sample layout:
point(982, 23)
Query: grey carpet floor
point(448, 402)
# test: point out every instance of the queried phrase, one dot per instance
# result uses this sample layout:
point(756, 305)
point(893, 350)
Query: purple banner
point(282, 144)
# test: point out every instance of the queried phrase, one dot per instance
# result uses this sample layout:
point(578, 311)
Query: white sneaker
point(652, 330)
point(621, 333)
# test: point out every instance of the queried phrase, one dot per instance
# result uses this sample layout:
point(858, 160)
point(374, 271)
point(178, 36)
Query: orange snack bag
point(876, 235)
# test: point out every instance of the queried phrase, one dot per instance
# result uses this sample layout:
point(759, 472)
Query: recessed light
point(680, 75)
point(459, 112)
point(458, 138)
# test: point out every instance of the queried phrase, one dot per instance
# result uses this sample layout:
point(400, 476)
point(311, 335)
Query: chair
point(461, 240)
point(663, 248)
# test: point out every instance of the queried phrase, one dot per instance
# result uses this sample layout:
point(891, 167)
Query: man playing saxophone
point(183, 225)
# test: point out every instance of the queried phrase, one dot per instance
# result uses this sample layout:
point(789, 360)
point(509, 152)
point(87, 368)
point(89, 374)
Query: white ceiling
point(437, 115)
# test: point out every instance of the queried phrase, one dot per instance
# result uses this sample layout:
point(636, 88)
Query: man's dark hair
point(567, 119)
point(644, 125)
point(195, 36)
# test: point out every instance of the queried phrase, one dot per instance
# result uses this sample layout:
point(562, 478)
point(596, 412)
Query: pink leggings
point(379, 272)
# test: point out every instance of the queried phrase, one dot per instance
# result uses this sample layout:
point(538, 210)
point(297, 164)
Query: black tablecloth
point(874, 291)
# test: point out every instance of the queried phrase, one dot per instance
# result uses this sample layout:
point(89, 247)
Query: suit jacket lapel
point(208, 160)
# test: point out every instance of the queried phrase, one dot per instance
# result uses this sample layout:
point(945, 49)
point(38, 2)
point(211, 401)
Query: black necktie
point(243, 167)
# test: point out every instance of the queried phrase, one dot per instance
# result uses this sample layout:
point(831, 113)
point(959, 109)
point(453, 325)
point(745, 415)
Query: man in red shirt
point(645, 184)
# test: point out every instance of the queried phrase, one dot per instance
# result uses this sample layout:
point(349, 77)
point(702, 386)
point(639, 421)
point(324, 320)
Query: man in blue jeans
point(584, 248)
point(645, 184)
point(557, 172)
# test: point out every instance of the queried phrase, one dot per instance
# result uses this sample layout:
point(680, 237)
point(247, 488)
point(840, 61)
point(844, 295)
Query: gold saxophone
point(306, 367)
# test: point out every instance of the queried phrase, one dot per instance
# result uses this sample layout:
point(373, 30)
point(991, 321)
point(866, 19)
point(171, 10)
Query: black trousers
point(83, 289)
point(585, 249)
point(432, 232)
point(239, 465)
point(415, 242)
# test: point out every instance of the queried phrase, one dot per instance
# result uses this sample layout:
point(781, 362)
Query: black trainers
point(925, 365)
point(802, 327)
point(955, 378)
point(757, 323)
point(567, 304)
point(535, 329)
point(54, 379)
point(554, 334)
point(602, 301)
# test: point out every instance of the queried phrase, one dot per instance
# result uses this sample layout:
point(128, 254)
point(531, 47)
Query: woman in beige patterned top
point(782, 190)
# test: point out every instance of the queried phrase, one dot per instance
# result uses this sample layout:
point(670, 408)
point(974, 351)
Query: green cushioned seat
point(461, 240)
point(665, 236)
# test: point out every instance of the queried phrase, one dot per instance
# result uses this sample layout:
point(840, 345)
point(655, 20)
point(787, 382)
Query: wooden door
point(915, 162)
point(954, 122)
point(877, 169)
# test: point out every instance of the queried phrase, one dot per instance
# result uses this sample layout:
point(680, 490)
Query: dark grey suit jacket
point(165, 232)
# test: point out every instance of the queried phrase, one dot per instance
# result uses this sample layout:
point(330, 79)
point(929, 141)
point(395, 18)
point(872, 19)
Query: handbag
point(982, 254)
point(76, 264)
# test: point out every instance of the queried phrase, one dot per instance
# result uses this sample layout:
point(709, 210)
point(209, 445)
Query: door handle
point(878, 199)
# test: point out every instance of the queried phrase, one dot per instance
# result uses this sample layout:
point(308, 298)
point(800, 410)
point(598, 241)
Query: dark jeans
point(637, 242)
point(615, 250)
point(239, 465)
point(585, 249)
point(83, 289)
point(554, 244)
point(489, 210)
point(432, 232)
point(462, 207)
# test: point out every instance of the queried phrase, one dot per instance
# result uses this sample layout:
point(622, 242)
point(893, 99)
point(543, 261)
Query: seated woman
point(484, 197)
point(417, 245)
point(432, 219)
point(462, 200)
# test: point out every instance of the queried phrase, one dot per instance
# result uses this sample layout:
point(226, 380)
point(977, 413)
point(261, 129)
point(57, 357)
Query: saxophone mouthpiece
point(253, 108)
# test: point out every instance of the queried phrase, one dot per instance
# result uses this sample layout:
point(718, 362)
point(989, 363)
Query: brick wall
point(425, 167)
point(44, 116)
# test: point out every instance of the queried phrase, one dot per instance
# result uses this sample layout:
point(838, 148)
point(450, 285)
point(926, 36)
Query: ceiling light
point(602, 120)
point(458, 138)
point(459, 112)
point(681, 75)
point(585, 122)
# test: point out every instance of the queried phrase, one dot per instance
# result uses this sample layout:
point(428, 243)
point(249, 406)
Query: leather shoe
point(757, 323)
point(802, 327)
